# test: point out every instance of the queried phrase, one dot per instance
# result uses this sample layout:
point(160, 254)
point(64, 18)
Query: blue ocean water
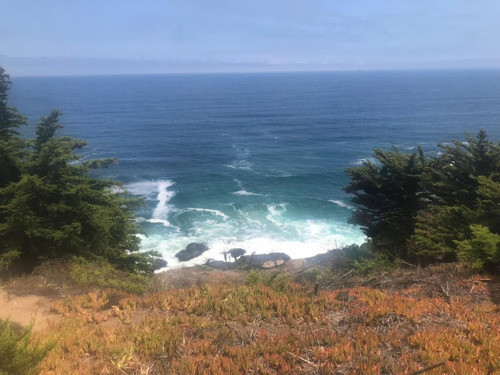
point(256, 160)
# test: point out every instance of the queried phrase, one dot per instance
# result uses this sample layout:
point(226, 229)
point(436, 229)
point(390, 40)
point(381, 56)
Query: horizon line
point(252, 72)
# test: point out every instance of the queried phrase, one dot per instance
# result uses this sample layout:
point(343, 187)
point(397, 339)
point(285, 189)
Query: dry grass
point(281, 327)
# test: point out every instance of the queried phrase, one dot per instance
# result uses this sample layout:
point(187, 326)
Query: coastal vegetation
point(19, 353)
point(426, 209)
point(51, 203)
point(271, 322)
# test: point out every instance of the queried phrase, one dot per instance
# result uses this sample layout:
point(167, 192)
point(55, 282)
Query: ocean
point(256, 161)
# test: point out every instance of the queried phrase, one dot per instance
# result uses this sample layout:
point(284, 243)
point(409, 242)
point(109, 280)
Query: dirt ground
point(28, 308)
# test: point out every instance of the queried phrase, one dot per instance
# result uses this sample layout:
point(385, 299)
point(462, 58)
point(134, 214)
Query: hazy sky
point(52, 37)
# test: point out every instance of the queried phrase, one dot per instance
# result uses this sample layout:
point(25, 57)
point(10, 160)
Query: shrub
point(19, 354)
point(374, 264)
point(104, 275)
point(364, 260)
point(483, 250)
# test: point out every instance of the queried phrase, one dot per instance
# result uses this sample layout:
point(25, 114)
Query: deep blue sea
point(256, 160)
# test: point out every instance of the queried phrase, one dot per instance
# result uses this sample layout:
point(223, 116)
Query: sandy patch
point(25, 309)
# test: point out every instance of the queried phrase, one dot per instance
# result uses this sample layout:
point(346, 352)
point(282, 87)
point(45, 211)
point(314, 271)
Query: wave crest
point(342, 204)
point(155, 190)
point(213, 212)
point(246, 193)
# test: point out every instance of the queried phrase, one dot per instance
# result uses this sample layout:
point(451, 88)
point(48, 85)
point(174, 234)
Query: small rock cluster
point(240, 260)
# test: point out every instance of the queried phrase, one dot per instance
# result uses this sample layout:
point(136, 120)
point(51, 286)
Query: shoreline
point(291, 266)
point(204, 260)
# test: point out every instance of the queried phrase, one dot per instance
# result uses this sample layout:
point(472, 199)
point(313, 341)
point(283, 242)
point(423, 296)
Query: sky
point(61, 37)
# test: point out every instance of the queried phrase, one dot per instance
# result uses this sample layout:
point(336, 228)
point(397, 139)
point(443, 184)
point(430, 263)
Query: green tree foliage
point(11, 145)
point(488, 192)
point(387, 194)
point(482, 250)
point(58, 208)
point(432, 209)
point(19, 355)
point(436, 230)
point(460, 185)
point(452, 177)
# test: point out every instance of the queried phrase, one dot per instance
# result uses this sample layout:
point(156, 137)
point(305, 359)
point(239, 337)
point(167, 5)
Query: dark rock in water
point(193, 250)
point(220, 265)
point(159, 263)
point(263, 260)
point(236, 252)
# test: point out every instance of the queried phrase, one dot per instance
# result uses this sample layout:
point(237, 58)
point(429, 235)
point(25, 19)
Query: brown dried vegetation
point(394, 323)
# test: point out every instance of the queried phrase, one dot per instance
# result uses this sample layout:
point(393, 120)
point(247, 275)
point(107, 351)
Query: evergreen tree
point(488, 192)
point(482, 250)
point(11, 145)
point(387, 196)
point(56, 207)
point(460, 186)
point(436, 230)
point(451, 179)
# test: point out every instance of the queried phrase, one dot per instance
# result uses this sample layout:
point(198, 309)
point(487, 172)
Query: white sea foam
point(258, 228)
point(245, 193)
point(249, 221)
point(214, 212)
point(342, 204)
point(312, 237)
point(240, 184)
point(164, 195)
point(159, 221)
point(275, 212)
point(155, 190)
point(243, 165)
point(241, 162)
point(148, 188)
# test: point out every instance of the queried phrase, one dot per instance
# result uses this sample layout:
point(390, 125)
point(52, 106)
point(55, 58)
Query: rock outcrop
point(221, 265)
point(236, 253)
point(193, 250)
point(262, 260)
point(159, 263)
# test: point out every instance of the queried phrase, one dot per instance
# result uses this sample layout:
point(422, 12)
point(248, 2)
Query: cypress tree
point(56, 207)
point(11, 145)
point(387, 196)
point(462, 190)
point(452, 177)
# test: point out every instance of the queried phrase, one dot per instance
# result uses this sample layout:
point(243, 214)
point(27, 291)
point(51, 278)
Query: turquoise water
point(256, 160)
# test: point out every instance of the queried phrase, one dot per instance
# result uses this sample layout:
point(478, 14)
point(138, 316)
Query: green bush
point(19, 354)
point(376, 263)
point(104, 275)
point(365, 261)
point(483, 250)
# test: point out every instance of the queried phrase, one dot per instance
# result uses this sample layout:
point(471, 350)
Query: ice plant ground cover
point(273, 323)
